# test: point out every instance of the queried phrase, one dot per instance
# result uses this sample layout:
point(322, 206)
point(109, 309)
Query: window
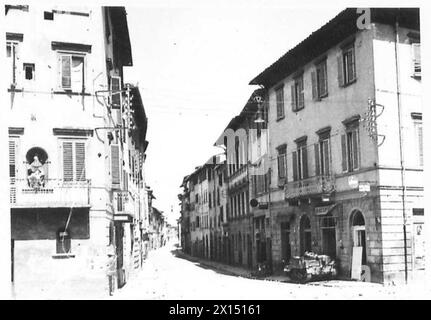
point(297, 91)
point(48, 15)
point(73, 161)
point(322, 157)
point(29, 71)
point(279, 96)
point(300, 160)
point(350, 149)
point(116, 94)
point(417, 123)
point(416, 54)
point(281, 162)
point(72, 72)
point(12, 57)
point(346, 66)
point(319, 81)
point(63, 243)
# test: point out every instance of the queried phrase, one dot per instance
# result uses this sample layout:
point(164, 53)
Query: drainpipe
point(401, 140)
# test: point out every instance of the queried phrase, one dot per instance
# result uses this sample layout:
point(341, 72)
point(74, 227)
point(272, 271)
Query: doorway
point(286, 252)
point(329, 240)
point(305, 234)
point(358, 234)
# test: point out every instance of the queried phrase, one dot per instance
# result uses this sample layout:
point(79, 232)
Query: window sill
point(349, 83)
point(279, 118)
point(63, 256)
point(297, 110)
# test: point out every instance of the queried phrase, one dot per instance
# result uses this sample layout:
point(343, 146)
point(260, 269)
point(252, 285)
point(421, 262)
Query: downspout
point(400, 133)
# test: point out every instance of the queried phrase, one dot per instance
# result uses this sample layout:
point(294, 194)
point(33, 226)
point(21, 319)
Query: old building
point(76, 150)
point(345, 137)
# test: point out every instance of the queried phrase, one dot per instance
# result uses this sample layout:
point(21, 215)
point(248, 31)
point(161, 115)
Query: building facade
point(76, 150)
point(327, 156)
point(345, 128)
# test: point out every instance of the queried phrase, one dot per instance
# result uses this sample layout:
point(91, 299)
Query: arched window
point(37, 169)
point(305, 234)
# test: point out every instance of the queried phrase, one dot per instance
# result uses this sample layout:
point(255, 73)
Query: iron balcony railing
point(53, 193)
point(310, 186)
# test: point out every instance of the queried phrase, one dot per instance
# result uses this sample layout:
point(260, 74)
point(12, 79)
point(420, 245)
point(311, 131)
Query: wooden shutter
point(295, 165)
point(416, 48)
point(343, 152)
point(340, 71)
point(293, 97)
point(80, 161)
point(66, 71)
point(67, 161)
point(304, 162)
point(353, 62)
point(420, 143)
point(355, 149)
point(315, 93)
point(12, 160)
point(115, 165)
point(116, 96)
point(301, 102)
point(317, 158)
point(326, 157)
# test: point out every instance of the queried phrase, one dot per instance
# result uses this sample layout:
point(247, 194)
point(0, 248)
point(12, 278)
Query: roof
point(139, 112)
point(332, 33)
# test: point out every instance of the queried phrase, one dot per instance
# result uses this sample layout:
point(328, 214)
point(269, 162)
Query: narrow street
point(166, 276)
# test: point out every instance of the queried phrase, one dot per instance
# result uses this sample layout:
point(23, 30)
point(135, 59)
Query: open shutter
point(295, 165)
point(80, 161)
point(317, 158)
point(293, 97)
point(344, 152)
point(115, 166)
point(67, 161)
point(304, 163)
point(353, 63)
point(116, 96)
point(355, 147)
point(301, 102)
point(340, 71)
point(420, 144)
point(66, 71)
point(314, 91)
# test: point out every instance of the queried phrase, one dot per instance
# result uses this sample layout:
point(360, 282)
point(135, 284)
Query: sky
point(193, 66)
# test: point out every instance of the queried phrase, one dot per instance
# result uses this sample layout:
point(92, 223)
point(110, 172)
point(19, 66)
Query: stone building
point(76, 150)
point(345, 136)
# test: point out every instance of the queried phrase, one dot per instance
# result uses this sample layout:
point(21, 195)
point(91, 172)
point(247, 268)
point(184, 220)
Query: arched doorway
point(305, 234)
point(358, 233)
point(329, 241)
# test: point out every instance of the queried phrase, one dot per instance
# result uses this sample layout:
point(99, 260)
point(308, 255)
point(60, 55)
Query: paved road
point(165, 276)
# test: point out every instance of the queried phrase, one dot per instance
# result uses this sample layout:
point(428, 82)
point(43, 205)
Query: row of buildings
point(81, 215)
point(326, 156)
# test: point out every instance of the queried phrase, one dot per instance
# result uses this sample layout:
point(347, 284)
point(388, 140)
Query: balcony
point(123, 206)
point(309, 187)
point(55, 193)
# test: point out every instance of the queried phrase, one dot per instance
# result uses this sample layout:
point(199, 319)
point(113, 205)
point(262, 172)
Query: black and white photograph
point(214, 151)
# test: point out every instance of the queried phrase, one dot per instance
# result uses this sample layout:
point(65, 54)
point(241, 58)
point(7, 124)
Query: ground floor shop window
point(305, 234)
point(329, 242)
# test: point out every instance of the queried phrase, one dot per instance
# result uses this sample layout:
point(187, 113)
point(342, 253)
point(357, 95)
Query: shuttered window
point(74, 166)
point(12, 169)
point(115, 165)
point(279, 95)
point(350, 150)
point(322, 157)
point(281, 161)
point(419, 142)
point(71, 69)
point(416, 53)
point(346, 66)
point(116, 96)
point(297, 91)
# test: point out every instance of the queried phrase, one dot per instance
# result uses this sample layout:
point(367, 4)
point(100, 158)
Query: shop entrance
point(329, 241)
point(358, 232)
point(305, 234)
